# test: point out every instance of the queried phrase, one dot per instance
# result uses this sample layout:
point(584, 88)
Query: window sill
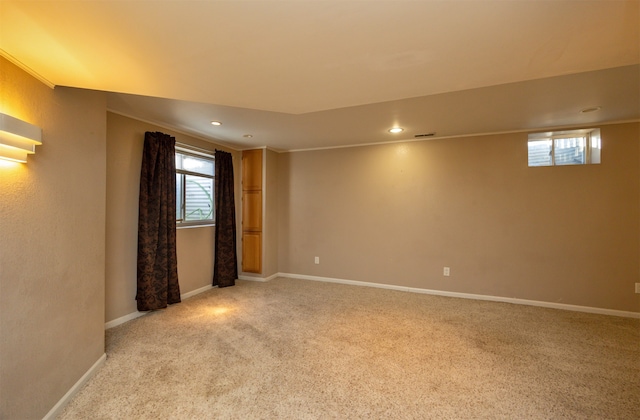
point(194, 226)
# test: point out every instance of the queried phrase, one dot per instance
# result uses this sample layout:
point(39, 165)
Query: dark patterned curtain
point(225, 265)
point(157, 259)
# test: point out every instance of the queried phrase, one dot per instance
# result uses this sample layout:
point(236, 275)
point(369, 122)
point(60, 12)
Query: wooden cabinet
point(252, 211)
point(252, 252)
point(252, 170)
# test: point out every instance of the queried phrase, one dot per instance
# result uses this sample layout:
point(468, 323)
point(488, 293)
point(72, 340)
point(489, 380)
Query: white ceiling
point(307, 74)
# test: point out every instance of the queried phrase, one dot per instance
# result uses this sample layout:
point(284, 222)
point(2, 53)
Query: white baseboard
point(123, 319)
point(137, 314)
point(55, 411)
point(251, 278)
point(195, 292)
point(262, 279)
point(553, 305)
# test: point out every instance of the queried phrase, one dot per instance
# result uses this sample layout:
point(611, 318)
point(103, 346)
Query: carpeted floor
point(294, 349)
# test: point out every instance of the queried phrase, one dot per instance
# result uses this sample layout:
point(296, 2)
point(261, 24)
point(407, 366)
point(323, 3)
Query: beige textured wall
point(270, 221)
point(52, 240)
point(125, 139)
point(398, 213)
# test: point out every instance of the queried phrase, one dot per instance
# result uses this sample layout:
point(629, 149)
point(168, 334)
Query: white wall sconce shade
point(18, 138)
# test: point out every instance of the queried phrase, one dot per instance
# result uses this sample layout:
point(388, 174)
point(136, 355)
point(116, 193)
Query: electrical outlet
point(637, 287)
point(446, 271)
point(317, 260)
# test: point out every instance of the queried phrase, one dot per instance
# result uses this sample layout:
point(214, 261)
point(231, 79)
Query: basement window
point(194, 188)
point(558, 148)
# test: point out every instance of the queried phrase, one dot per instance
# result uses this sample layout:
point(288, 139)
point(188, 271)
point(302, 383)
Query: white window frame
point(593, 145)
point(201, 154)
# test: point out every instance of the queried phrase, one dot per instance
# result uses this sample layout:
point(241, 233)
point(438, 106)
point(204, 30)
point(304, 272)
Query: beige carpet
point(294, 349)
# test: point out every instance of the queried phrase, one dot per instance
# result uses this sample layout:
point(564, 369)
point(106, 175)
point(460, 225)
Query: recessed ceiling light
point(216, 123)
point(592, 109)
point(247, 136)
point(395, 130)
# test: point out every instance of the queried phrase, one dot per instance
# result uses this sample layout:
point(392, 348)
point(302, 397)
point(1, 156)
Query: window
point(194, 188)
point(575, 147)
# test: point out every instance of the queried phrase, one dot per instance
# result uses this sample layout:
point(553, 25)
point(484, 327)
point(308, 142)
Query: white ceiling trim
point(495, 133)
point(177, 130)
point(26, 68)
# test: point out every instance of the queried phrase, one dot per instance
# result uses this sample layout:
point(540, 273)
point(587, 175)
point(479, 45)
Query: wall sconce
point(18, 139)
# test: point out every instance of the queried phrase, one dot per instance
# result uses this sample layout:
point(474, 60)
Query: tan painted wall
point(125, 139)
point(398, 213)
point(52, 241)
point(270, 228)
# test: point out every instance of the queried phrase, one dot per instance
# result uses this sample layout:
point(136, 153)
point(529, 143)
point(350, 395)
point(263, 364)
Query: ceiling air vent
point(419, 136)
